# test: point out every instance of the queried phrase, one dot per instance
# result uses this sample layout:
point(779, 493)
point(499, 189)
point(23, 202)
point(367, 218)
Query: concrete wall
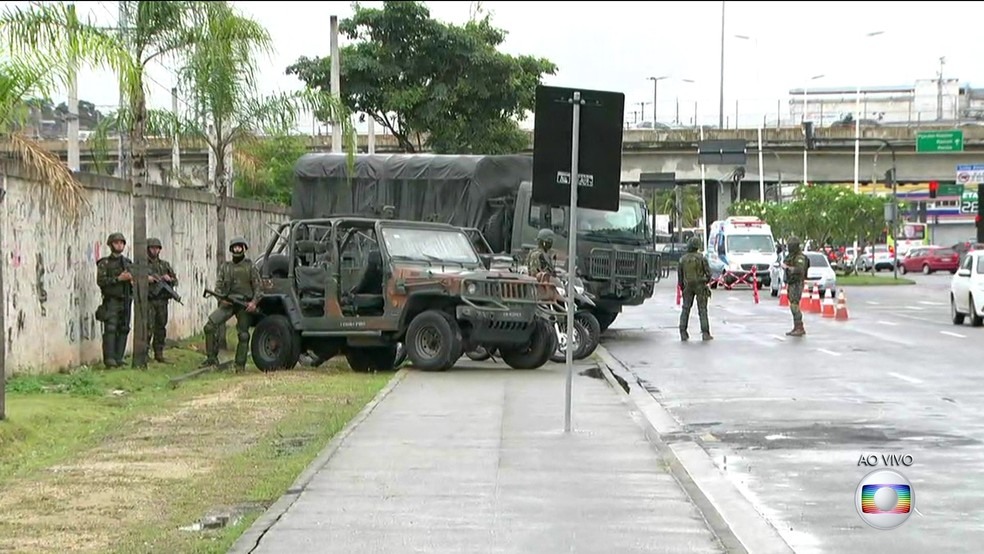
point(49, 267)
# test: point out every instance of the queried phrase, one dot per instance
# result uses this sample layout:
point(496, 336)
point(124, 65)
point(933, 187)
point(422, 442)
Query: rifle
point(167, 288)
point(234, 300)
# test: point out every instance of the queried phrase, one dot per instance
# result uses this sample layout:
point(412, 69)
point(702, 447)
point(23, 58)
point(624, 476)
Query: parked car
point(883, 258)
point(967, 290)
point(929, 259)
point(820, 274)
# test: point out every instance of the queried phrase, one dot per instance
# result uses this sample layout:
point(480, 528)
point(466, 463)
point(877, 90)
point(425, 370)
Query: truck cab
point(616, 257)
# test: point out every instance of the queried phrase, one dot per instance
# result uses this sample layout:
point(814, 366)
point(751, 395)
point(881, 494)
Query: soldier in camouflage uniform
point(240, 279)
point(693, 273)
point(157, 298)
point(116, 285)
point(796, 266)
point(540, 260)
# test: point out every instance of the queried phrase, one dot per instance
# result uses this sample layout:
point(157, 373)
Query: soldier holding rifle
point(162, 282)
point(238, 290)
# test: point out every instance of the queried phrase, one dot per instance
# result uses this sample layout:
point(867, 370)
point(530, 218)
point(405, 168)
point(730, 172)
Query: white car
point(820, 274)
point(967, 290)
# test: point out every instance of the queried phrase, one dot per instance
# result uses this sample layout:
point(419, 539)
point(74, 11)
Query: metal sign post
point(572, 260)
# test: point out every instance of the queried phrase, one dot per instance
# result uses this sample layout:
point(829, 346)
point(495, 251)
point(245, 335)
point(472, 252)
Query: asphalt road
point(787, 418)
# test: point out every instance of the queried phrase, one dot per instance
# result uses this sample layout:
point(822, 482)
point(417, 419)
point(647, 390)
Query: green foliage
point(666, 204)
point(271, 175)
point(824, 214)
point(424, 80)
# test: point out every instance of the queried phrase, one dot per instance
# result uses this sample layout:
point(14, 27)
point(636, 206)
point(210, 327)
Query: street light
point(656, 81)
point(857, 139)
point(803, 120)
point(761, 163)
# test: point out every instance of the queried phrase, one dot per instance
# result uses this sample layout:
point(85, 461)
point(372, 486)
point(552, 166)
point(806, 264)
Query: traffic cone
point(805, 301)
point(783, 296)
point(679, 295)
point(815, 300)
point(841, 312)
point(828, 304)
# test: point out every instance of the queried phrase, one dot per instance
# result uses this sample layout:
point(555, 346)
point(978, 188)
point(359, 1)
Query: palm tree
point(665, 203)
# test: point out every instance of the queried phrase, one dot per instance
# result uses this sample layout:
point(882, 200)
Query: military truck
point(359, 286)
point(616, 256)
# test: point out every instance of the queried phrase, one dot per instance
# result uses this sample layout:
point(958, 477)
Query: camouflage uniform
point(693, 273)
point(796, 267)
point(157, 299)
point(539, 258)
point(113, 277)
point(238, 278)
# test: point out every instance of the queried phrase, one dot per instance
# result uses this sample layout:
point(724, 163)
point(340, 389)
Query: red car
point(929, 259)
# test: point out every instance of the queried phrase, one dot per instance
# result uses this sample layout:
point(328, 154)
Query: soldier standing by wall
point(238, 279)
point(116, 285)
point(693, 273)
point(158, 297)
point(796, 266)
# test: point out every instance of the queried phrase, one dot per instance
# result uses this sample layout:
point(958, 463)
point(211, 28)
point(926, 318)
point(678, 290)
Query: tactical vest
point(239, 275)
point(692, 273)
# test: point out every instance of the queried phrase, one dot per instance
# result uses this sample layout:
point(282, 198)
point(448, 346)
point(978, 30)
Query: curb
point(735, 521)
point(250, 539)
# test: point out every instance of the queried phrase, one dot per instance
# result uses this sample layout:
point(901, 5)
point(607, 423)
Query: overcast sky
point(615, 47)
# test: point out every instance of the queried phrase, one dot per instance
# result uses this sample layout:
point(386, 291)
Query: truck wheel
point(433, 341)
point(543, 343)
point(605, 319)
point(275, 345)
point(591, 333)
point(371, 358)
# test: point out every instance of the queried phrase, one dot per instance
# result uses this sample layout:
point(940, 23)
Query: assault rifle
point(234, 300)
point(163, 285)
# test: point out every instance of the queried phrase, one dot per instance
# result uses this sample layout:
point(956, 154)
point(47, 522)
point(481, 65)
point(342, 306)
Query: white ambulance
point(738, 243)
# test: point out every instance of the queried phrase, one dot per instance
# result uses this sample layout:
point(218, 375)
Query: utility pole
point(721, 106)
point(939, 91)
point(336, 91)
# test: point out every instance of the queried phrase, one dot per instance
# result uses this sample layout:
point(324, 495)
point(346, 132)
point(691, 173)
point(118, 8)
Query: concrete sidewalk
point(475, 460)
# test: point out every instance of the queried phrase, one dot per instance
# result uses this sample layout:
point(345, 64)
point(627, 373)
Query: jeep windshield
point(429, 245)
point(628, 224)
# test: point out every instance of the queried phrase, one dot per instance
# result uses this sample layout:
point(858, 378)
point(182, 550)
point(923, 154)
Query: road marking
point(831, 352)
point(887, 323)
point(917, 318)
point(777, 337)
point(958, 335)
point(873, 303)
point(915, 308)
point(912, 380)
point(928, 303)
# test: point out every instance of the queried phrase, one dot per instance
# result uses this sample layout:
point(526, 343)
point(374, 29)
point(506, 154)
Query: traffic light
point(980, 228)
point(810, 139)
point(934, 187)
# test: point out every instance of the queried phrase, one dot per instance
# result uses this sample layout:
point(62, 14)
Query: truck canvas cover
point(449, 189)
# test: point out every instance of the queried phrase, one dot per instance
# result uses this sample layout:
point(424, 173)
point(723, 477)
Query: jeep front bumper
point(497, 327)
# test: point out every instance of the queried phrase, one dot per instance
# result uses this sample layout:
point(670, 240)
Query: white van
point(738, 243)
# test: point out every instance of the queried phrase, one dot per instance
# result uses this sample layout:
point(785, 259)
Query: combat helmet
point(545, 235)
point(693, 245)
point(793, 245)
point(240, 241)
point(151, 243)
point(115, 237)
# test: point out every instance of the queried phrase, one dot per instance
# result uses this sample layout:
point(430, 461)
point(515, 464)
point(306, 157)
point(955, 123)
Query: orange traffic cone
point(783, 296)
point(805, 301)
point(841, 312)
point(815, 300)
point(828, 304)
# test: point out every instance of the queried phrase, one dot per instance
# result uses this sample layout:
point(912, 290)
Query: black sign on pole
point(599, 156)
point(657, 181)
point(722, 152)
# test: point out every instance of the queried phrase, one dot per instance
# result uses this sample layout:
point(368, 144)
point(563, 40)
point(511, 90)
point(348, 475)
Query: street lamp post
point(721, 107)
point(656, 81)
point(761, 163)
point(803, 120)
point(857, 139)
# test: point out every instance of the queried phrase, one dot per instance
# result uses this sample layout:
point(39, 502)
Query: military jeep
point(360, 286)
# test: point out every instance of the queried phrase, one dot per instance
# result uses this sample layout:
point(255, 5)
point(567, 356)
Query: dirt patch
point(79, 507)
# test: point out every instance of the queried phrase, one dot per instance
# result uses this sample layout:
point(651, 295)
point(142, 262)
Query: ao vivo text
point(887, 460)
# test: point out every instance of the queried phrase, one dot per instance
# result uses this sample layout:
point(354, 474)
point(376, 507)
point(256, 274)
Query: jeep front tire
point(543, 343)
point(433, 341)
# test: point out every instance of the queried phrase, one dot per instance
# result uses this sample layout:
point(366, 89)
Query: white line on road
point(872, 302)
point(777, 337)
point(928, 303)
point(958, 335)
point(915, 308)
point(887, 323)
point(917, 318)
point(912, 380)
point(831, 352)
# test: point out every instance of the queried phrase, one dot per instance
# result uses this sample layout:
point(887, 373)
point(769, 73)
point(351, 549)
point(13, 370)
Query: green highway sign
point(940, 141)
point(951, 190)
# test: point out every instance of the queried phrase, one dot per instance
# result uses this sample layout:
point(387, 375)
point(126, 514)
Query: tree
point(268, 174)
point(429, 82)
point(666, 204)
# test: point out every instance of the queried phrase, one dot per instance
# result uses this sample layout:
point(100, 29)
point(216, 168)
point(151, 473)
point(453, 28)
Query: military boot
point(211, 351)
point(684, 335)
point(109, 350)
point(159, 355)
point(121, 347)
point(798, 330)
point(242, 350)
point(706, 335)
